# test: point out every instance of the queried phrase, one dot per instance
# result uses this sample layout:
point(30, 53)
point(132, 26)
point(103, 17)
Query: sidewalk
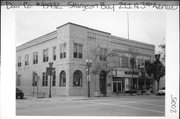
point(61, 98)
point(76, 98)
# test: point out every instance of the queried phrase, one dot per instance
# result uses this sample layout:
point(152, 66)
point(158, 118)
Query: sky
point(144, 26)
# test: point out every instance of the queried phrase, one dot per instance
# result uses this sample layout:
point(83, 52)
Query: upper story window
point(54, 53)
point(78, 50)
point(63, 50)
point(124, 62)
point(45, 55)
point(35, 57)
point(19, 61)
point(133, 63)
point(26, 60)
point(102, 54)
point(140, 62)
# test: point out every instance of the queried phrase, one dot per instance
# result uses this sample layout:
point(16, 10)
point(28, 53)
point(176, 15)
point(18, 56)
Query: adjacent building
point(68, 48)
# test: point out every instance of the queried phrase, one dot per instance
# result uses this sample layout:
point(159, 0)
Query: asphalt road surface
point(102, 106)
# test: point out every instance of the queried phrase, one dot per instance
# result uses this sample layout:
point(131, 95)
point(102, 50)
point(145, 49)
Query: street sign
point(50, 71)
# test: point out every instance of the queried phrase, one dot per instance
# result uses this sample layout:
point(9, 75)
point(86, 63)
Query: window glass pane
point(27, 60)
point(35, 57)
point(45, 80)
point(54, 53)
point(61, 55)
point(62, 78)
point(80, 48)
point(75, 47)
point(80, 55)
point(124, 61)
point(75, 54)
point(45, 55)
point(64, 47)
point(61, 48)
point(19, 61)
point(77, 78)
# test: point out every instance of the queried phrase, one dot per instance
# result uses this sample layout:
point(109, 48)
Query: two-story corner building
point(68, 47)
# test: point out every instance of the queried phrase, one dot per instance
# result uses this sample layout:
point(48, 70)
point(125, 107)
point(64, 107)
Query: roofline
point(133, 41)
point(37, 38)
point(83, 27)
point(112, 36)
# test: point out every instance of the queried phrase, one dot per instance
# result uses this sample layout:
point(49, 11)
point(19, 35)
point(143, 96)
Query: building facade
point(68, 47)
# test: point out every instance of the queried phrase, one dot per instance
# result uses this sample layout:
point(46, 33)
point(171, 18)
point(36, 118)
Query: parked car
point(19, 94)
point(161, 91)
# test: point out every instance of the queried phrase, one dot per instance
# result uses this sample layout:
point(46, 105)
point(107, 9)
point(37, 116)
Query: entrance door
point(102, 82)
point(117, 86)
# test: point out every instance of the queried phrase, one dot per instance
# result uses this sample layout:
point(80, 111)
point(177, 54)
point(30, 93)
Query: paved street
point(145, 105)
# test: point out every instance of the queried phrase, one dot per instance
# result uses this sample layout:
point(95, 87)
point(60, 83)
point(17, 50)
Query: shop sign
point(132, 72)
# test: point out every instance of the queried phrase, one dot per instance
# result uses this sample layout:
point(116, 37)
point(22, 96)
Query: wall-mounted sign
point(123, 73)
point(132, 72)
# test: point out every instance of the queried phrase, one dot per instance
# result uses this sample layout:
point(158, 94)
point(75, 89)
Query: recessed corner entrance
point(102, 82)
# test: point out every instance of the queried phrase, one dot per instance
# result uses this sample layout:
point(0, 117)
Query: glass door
point(117, 86)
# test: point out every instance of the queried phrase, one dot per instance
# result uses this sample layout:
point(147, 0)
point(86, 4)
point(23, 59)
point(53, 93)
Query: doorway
point(117, 86)
point(102, 82)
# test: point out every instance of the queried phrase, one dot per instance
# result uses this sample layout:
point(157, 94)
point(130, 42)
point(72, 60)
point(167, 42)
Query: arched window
point(77, 78)
point(62, 80)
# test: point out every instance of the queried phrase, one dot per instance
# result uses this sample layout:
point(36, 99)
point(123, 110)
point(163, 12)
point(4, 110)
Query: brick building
point(68, 47)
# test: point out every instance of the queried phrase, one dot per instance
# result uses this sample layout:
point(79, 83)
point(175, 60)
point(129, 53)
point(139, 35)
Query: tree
point(104, 60)
point(133, 54)
point(163, 56)
point(157, 69)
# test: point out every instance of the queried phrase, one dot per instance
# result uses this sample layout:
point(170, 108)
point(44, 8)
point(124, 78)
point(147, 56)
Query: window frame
point(54, 53)
point(26, 60)
point(62, 77)
point(19, 61)
point(78, 50)
point(79, 81)
point(44, 79)
point(126, 62)
point(35, 57)
point(45, 55)
point(63, 50)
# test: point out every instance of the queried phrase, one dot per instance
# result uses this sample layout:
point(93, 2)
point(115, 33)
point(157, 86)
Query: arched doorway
point(102, 82)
